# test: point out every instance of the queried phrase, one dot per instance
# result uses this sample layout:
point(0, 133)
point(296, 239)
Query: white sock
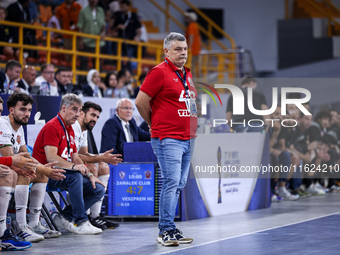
point(5, 196)
point(96, 208)
point(21, 200)
point(37, 199)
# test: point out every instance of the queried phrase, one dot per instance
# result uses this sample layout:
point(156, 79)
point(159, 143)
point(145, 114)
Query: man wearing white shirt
point(98, 164)
point(10, 77)
point(47, 83)
point(28, 79)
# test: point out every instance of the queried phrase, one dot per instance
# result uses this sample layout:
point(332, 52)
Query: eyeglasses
point(51, 72)
point(127, 108)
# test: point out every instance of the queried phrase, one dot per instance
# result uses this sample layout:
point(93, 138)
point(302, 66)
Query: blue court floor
point(307, 226)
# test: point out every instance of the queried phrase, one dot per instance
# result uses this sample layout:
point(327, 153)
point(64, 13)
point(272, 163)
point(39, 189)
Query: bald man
point(28, 79)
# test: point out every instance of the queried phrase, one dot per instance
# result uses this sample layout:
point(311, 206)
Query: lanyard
point(67, 137)
point(184, 81)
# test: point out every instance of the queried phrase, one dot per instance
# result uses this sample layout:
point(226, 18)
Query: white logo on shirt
point(175, 79)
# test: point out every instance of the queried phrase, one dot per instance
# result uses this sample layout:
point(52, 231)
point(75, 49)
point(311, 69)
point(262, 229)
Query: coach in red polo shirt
point(55, 142)
point(170, 92)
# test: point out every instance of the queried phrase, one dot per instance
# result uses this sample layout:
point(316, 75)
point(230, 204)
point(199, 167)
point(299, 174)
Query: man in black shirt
point(128, 27)
point(259, 103)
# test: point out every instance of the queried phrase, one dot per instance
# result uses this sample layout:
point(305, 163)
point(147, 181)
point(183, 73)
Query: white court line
point(251, 233)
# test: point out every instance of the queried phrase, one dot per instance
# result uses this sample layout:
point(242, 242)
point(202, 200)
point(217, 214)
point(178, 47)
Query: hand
point(82, 169)
point(54, 83)
point(275, 152)
point(111, 158)
point(4, 171)
point(150, 130)
point(94, 180)
point(57, 174)
point(313, 145)
point(121, 26)
point(323, 155)
point(24, 161)
point(102, 36)
point(136, 39)
point(26, 173)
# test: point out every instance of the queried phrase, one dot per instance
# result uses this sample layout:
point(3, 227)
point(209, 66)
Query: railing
point(74, 52)
point(324, 12)
point(214, 65)
point(211, 23)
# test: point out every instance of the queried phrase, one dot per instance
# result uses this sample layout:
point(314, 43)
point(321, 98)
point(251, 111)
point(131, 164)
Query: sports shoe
point(286, 195)
point(181, 238)
point(168, 238)
point(276, 198)
point(315, 191)
point(46, 232)
point(108, 223)
point(85, 228)
point(9, 242)
point(62, 223)
point(26, 233)
point(335, 189)
point(319, 186)
point(98, 223)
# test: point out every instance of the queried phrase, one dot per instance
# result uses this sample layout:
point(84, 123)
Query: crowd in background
point(60, 82)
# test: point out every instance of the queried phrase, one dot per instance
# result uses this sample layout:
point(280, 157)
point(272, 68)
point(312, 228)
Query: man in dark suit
point(28, 78)
point(18, 12)
point(9, 78)
point(63, 80)
point(121, 128)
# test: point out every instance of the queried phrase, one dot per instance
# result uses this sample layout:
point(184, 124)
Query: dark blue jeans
point(82, 195)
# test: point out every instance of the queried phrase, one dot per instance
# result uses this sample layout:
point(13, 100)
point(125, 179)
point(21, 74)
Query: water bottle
point(8, 222)
point(43, 89)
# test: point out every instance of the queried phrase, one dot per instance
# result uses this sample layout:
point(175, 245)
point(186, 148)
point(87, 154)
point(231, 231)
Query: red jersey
point(53, 134)
point(169, 115)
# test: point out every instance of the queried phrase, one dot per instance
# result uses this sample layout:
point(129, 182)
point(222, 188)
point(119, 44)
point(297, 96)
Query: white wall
point(252, 24)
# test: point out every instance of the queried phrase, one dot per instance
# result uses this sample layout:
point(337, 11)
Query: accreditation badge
point(191, 105)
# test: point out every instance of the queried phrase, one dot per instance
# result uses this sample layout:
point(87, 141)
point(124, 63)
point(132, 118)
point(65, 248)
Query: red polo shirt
point(169, 115)
point(53, 134)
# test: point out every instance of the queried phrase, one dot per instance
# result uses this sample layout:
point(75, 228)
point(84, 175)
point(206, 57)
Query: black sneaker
point(108, 223)
point(169, 239)
point(97, 223)
point(181, 238)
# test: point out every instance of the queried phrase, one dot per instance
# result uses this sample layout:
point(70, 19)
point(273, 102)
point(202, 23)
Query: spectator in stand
point(63, 81)
point(48, 85)
point(6, 35)
point(68, 13)
point(94, 86)
point(91, 21)
point(18, 12)
point(110, 82)
point(54, 23)
point(136, 89)
point(123, 79)
point(279, 157)
point(259, 102)
point(128, 27)
point(28, 80)
point(194, 41)
point(10, 77)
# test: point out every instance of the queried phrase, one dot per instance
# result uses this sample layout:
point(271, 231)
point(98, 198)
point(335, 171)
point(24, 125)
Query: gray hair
point(69, 99)
point(173, 37)
point(120, 101)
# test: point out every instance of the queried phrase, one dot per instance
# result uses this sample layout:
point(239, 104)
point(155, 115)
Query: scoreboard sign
point(132, 190)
